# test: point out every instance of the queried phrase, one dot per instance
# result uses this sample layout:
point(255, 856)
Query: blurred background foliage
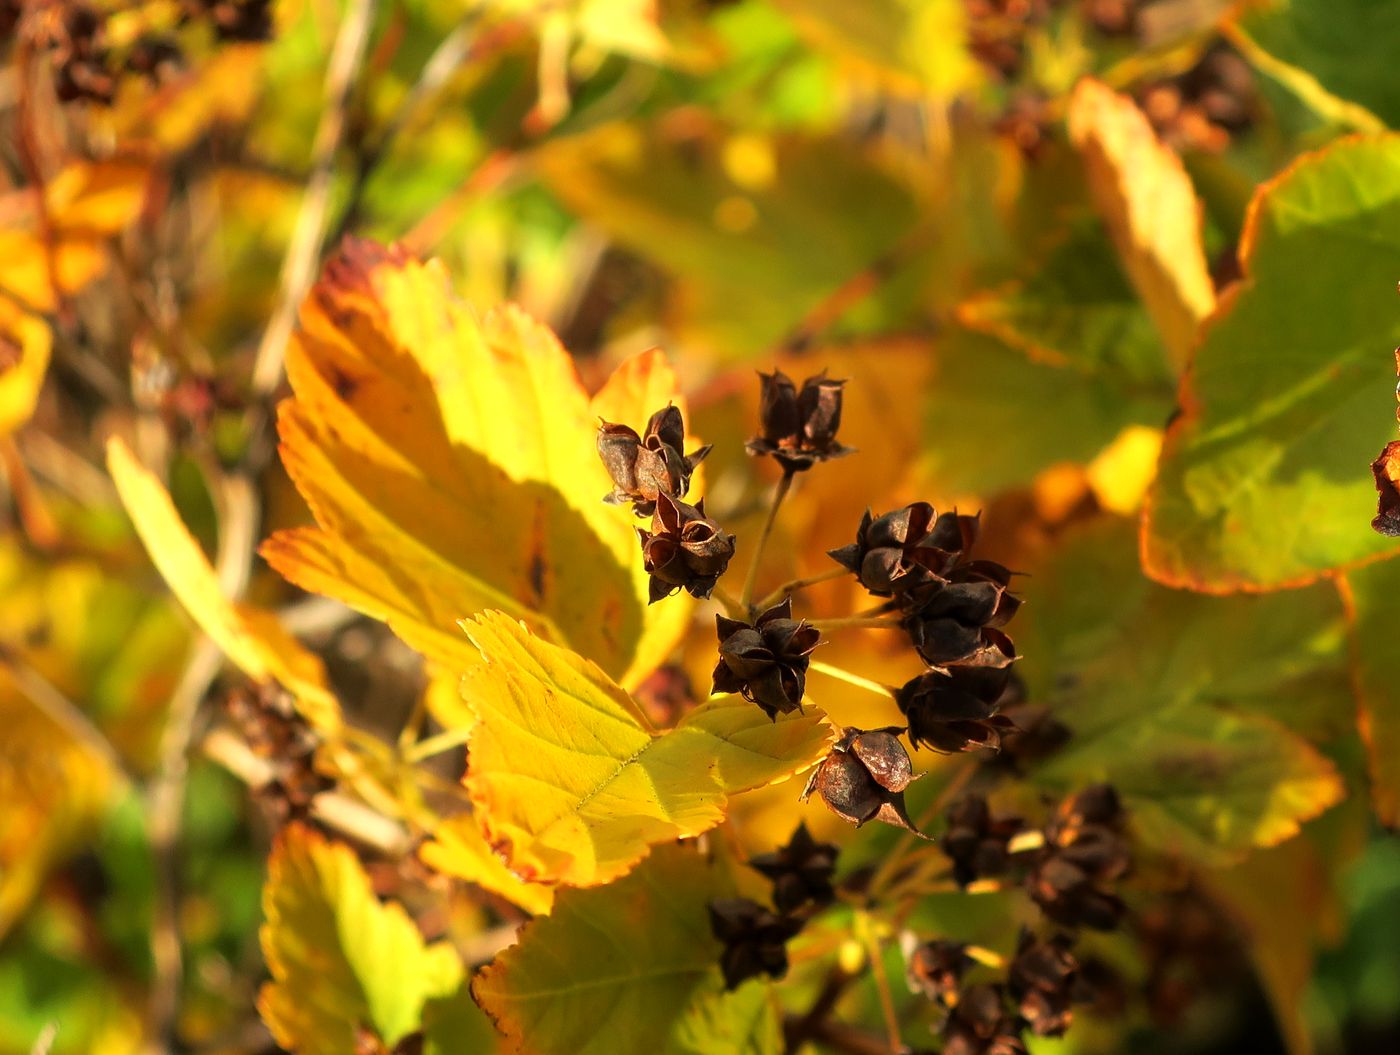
point(894, 190)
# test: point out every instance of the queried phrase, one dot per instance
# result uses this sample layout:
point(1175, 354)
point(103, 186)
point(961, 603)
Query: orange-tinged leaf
point(459, 849)
point(451, 466)
point(1145, 197)
point(25, 343)
point(96, 199)
point(253, 639)
point(571, 784)
point(339, 958)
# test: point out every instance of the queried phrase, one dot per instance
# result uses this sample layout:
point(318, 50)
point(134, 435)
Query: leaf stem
point(795, 585)
point(779, 493)
point(857, 622)
point(436, 744)
point(884, 875)
point(841, 674)
point(732, 607)
point(882, 983)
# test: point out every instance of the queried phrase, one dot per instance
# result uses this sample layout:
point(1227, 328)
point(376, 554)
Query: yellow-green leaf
point(459, 849)
point(252, 638)
point(570, 782)
point(1370, 593)
point(629, 967)
point(450, 463)
point(1146, 199)
point(340, 959)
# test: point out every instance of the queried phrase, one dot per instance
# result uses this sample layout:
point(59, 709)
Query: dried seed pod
point(801, 871)
point(953, 620)
point(684, 549)
point(899, 550)
point(1042, 979)
point(798, 428)
point(976, 842)
point(864, 778)
point(1084, 852)
point(936, 969)
point(956, 709)
point(979, 1024)
point(755, 939)
point(767, 659)
point(643, 467)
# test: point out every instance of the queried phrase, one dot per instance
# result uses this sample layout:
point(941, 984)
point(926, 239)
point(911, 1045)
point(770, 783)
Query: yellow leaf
point(339, 958)
point(459, 849)
point(25, 343)
point(52, 787)
point(253, 639)
point(96, 199)
point(571, 784)
point(450, 463)
point(1145, 197)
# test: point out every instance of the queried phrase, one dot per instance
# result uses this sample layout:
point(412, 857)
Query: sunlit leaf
point(1146, 199)
point(252, 638)
point(25, 343)
point(632, 965)
point(340, 959)
point(573, 787)
point(1191, 706)
point(1371, 593)
point(1263, 479)
point(450, 462)
point(459, 849)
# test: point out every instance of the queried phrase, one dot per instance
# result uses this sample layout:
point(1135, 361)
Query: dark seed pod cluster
point(647, 466)
point(864, 778)
point(684, 550)
point(754, 937)
point(765, 660)
point(797, 427)
point(1085, 851)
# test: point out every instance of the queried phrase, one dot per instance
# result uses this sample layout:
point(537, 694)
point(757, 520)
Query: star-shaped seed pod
point(1042, 979)
point(936, 969)
point(767, 659)
point(906, 547)
point(1085, 851)
point(643, 467)
point(801, 871)
point(955, 708)
point(976, 842)
point(955, 619)
point(864, 778)
point(684, 549)
point(755, 939)
point(798, 428)
point(979, 1024)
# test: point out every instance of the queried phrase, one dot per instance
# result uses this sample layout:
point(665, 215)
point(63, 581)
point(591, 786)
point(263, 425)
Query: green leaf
point(1371, 592)
point(996, 418)
point(1263, 479)
point(629, 966)
point(1193, 707)
point(341, 960)
point(1346, 47)
point(758, 233)
point(1076, 309)
point(573, 787)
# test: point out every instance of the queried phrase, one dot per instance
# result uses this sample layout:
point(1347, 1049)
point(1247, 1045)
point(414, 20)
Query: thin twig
point(793, 586)
point(885, 874)
point(732, 607)
point(304, 252)
point(779, 493)
point(882, 984)
point(60, 710)
point(857, 622)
